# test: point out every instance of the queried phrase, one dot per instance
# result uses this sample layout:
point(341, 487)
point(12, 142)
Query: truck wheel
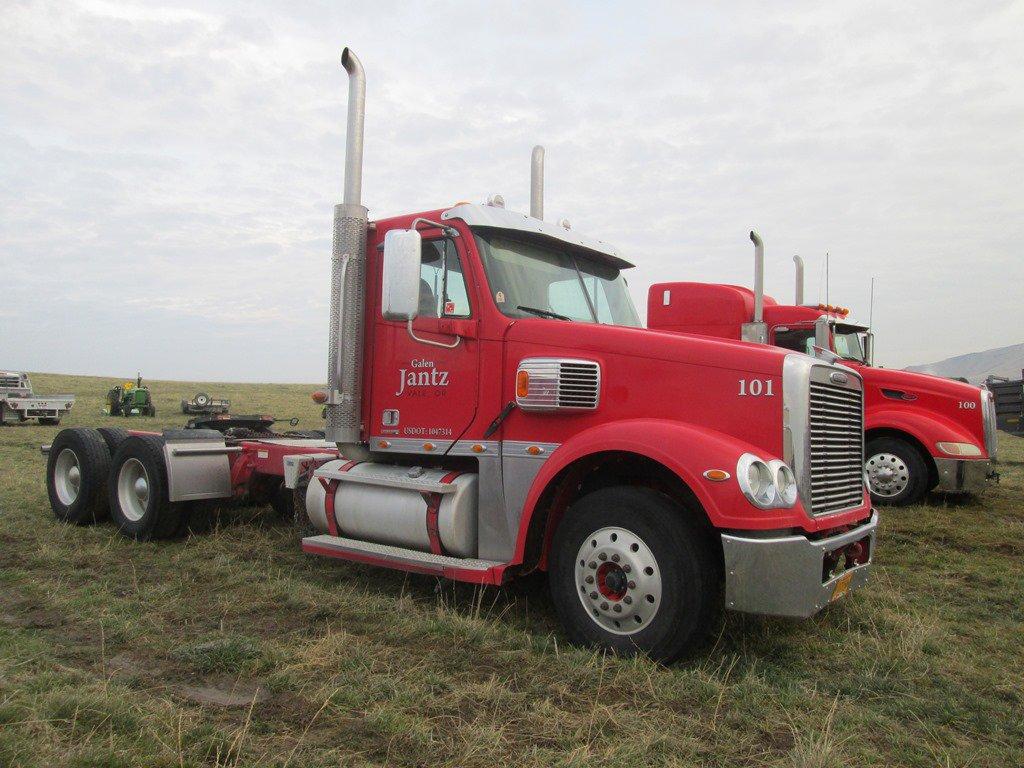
point(113, 437)
point(629, 571)
point(138, 490)
point(76, 476)
point(897, 475)
point(282, 500)
point(303, 525)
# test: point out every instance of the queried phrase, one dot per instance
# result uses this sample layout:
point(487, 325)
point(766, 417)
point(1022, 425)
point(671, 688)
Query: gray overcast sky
point(167, 172)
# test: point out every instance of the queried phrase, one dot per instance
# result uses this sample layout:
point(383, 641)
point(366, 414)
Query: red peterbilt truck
point(922, 432)
point(494, 408)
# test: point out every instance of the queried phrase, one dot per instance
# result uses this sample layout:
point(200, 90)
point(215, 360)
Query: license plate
point(842, 586)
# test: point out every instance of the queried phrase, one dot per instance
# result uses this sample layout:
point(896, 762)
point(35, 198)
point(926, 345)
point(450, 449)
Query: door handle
point(414, 337)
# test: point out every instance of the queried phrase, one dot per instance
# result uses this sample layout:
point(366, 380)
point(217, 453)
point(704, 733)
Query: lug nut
point(627, 600)
point(602, 556)
point(590, 579)
point(632, 585)
point(593, 564)
point(615, 558)
point(626, 568)
point(593, 595)
point(604, 606)
point(617, 608)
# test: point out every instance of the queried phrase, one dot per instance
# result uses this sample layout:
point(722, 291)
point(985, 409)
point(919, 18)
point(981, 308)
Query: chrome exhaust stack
point(799, 297)
point(537, 183)
point(348, 281)
point(757, 331)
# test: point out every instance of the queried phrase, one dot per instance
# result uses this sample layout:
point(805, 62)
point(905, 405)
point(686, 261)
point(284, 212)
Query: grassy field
point(232, 648)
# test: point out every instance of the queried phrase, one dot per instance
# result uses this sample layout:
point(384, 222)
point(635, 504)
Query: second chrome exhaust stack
point(757, 330)
point(348, 281)
point(799, 294)
point(537, 183)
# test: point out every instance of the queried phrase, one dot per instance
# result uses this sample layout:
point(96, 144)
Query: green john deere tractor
point(131, 399)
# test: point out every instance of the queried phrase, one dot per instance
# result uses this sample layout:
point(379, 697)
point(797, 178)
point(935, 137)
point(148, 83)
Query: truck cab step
point(466, 569)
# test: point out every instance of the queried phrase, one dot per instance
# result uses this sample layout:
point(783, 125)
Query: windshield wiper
point(543, 313)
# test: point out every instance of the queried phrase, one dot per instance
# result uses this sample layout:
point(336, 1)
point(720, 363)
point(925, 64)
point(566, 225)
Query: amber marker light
point(535, 450)
point(522, 384)
point(428, 446)
point(319, 397)
point(716, 475)
point(477, 448)
point(383, 444)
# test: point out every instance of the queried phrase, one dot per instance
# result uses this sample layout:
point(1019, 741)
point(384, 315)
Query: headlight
point(759, 482)
point(959, 449)
point(785, 483)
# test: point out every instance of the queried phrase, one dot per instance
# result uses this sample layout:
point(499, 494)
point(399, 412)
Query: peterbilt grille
point(555, 384)
point(837, 448)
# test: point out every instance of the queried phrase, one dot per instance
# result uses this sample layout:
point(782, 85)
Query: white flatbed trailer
point(18, 403)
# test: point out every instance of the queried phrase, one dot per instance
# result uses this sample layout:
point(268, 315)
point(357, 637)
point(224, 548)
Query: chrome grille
point(836, 422)
point(557, 383)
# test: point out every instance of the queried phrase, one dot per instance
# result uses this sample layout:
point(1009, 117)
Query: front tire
point(76, 476)
point(897, 475)
point(632, 572)
point(138, 490)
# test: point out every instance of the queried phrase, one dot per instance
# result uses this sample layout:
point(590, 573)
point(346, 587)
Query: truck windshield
point(531, 279)
point(846, 342)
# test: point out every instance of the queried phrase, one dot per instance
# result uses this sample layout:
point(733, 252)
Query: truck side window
point(799, 340)
point(442, 284)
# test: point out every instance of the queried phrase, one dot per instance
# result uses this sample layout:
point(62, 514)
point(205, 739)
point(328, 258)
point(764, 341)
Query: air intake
point(556, 384)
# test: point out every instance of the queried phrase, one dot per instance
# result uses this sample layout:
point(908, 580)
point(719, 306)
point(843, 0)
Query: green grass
point(104, 643)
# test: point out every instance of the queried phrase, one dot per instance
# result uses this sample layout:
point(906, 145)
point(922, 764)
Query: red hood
point(713, 352)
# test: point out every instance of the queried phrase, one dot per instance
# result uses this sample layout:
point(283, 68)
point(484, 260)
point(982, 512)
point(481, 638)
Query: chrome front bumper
point(957, 475)
point(785, 575)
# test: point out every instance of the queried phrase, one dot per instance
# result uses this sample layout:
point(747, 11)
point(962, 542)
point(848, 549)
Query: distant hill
point(975, 367)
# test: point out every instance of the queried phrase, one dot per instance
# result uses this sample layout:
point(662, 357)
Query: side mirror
point(400, 283)
point(821, 333)
point(869, 348)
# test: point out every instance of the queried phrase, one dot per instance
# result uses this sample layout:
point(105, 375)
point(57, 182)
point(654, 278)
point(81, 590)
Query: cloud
point(173, 168)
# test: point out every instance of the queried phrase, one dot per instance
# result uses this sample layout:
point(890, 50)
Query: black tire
point(910, 473)
point(113, 437)
point(92, 460)
point(151, 517)
point(677, 549)
point(282, 500)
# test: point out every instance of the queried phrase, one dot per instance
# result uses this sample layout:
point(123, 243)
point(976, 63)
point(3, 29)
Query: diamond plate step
point(385, 554)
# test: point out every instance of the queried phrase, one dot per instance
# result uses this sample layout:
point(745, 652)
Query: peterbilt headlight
point(959, 449)
point(767, 485)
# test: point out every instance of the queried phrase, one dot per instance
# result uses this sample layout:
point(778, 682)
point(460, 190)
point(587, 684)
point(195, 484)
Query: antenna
point(871, 304)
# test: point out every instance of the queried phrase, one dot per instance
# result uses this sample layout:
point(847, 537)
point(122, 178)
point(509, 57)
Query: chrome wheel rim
point(888, 474)
point(67, 477)
point(133, 489)
point(618, 580)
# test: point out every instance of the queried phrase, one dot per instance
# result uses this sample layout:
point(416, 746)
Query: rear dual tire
point(138, 490)
point(76, 476)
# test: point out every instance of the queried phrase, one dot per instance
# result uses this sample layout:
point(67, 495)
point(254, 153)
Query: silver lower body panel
point(783, 575)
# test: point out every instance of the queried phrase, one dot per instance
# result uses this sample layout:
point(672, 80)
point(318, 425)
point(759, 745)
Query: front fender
point(927, 427)
point(685, 450)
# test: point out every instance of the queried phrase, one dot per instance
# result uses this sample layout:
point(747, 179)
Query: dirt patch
point(229, 695)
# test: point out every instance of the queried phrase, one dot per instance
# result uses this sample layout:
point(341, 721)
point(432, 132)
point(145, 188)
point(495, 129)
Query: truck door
point(422, 392)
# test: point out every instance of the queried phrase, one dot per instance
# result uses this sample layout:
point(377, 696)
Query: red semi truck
point(494, 408)
point(922, 432)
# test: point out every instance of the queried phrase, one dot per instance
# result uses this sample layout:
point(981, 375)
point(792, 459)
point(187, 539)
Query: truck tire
point(631, 572)
point(113, 437)
point(897, 475)
point(138, 490)
point(76, 476)
point(303, 525)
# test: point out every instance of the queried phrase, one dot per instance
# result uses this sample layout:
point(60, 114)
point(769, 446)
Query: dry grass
point(105, 643)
